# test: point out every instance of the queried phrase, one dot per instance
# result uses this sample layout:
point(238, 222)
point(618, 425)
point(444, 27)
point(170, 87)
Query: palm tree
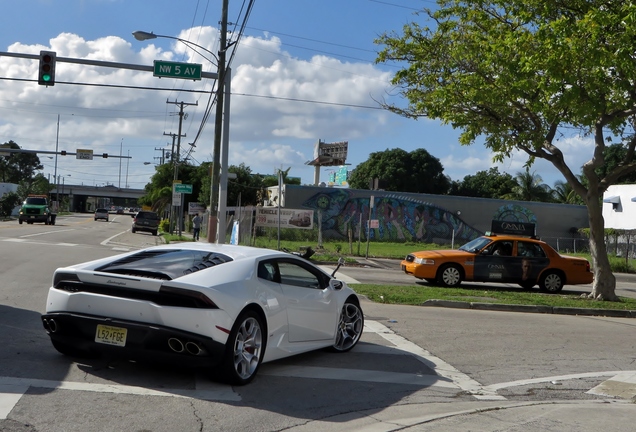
point(530, 187)
point(563, 193)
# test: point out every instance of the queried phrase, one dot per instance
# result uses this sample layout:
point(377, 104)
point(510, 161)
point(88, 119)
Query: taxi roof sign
point(514, 228)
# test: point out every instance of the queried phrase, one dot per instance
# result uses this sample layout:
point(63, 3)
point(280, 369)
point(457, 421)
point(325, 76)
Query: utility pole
point(218, 124)
point(162, 158)
point(176, 160)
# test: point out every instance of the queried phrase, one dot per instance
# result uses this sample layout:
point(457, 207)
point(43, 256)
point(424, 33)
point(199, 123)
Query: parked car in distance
point(101, 213)
point(145, 221)
point(516, 256)
point(223, 307)
point(120, 210)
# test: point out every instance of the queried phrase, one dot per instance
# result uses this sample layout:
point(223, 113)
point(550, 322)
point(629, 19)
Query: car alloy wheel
point(244, 349)
point(349, 328)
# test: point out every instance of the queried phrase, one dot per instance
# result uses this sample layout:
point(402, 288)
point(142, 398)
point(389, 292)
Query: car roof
point(235, 252)
point(512, 237)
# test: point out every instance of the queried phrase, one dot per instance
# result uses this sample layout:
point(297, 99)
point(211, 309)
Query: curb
point(531, 309)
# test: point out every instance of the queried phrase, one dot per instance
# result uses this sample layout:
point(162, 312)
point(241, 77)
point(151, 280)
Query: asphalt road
point(415, 368)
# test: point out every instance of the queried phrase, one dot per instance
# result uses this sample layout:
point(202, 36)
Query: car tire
point(350, 325)
point(244, 349)
point(154, 233)
point(450, 275)
point(133, 230)
point(20, 221)
point(551, 282)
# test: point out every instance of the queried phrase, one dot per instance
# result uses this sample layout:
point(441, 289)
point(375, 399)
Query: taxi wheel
point(450, 275)
point(551, 282)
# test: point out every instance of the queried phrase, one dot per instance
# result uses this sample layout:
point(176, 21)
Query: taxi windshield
point(475, 245)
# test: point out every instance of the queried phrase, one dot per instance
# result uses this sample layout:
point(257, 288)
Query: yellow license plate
point(111, 335)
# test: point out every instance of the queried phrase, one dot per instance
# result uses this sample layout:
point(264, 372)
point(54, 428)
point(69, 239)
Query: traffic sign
point(177, 70)
point(182, 188)
point(84, 154)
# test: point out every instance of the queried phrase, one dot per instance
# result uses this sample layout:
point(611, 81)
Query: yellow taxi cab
point(511, 253)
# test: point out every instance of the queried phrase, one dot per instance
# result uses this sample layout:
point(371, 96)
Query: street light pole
point(214, 231)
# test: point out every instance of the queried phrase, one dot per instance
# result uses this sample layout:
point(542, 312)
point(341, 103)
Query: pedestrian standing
point(196, 227)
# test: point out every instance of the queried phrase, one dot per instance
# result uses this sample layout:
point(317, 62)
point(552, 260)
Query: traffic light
point(46, 73)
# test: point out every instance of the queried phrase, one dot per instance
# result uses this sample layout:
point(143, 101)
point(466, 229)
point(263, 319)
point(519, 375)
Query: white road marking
point(19, 240)
point(46, 232)
point(440, 367)
point(105, 242)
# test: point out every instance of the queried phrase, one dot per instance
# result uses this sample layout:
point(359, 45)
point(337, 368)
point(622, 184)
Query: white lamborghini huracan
point(199, 304)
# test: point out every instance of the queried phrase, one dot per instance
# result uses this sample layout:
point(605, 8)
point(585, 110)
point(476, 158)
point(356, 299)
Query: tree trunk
point(604, 286)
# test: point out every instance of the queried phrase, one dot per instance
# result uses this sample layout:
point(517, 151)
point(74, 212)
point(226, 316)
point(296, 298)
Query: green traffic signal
point(46, 73)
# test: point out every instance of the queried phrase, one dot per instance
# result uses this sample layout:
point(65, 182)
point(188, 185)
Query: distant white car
point(200, 304)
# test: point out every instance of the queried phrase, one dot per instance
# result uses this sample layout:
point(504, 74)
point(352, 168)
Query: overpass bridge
point(81, 198)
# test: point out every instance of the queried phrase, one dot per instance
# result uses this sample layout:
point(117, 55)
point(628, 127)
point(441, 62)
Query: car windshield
point(164, 264)
point(36, 201)
point(475, 245)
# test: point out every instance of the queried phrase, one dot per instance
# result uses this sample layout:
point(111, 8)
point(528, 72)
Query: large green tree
point(521, 74)
point(417, 171)
point(484, 184)
point(18, 167)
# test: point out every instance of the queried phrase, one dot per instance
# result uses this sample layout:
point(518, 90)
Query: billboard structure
point(328, 154)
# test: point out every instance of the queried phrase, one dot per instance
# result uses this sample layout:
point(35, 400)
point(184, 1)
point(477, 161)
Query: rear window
point(101, 211)
point(165, 264)
point(147, 215)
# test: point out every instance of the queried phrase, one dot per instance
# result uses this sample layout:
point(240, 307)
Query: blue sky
point(303, 71)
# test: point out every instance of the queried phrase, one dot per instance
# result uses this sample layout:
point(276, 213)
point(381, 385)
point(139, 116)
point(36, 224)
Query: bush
point(164, 225)
point(7, 203)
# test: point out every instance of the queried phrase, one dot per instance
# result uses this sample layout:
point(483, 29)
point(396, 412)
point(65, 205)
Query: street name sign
point(168, 69)
point(183, 188)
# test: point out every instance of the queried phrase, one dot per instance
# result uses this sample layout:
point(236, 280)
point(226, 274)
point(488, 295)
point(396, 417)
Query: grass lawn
point(417, 294)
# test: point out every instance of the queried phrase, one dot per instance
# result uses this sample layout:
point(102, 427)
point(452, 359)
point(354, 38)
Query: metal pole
point(280, 181)
point(218, 124)
point(224, 160)
point(121, 144)
point(57, 140)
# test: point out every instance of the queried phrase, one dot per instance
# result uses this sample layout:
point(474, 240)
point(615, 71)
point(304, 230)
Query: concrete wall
point(619, 211)
point(428, 218)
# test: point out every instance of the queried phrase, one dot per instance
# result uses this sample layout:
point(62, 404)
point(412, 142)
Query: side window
point(529, 249)
point(267, 271)
point(292, 273)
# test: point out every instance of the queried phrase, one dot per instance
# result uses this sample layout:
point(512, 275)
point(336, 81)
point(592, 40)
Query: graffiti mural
point(401, 217)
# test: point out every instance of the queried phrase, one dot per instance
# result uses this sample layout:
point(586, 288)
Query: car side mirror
point(336, 284)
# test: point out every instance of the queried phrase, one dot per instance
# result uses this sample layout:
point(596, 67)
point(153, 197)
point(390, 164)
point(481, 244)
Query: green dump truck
point(35, 208)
